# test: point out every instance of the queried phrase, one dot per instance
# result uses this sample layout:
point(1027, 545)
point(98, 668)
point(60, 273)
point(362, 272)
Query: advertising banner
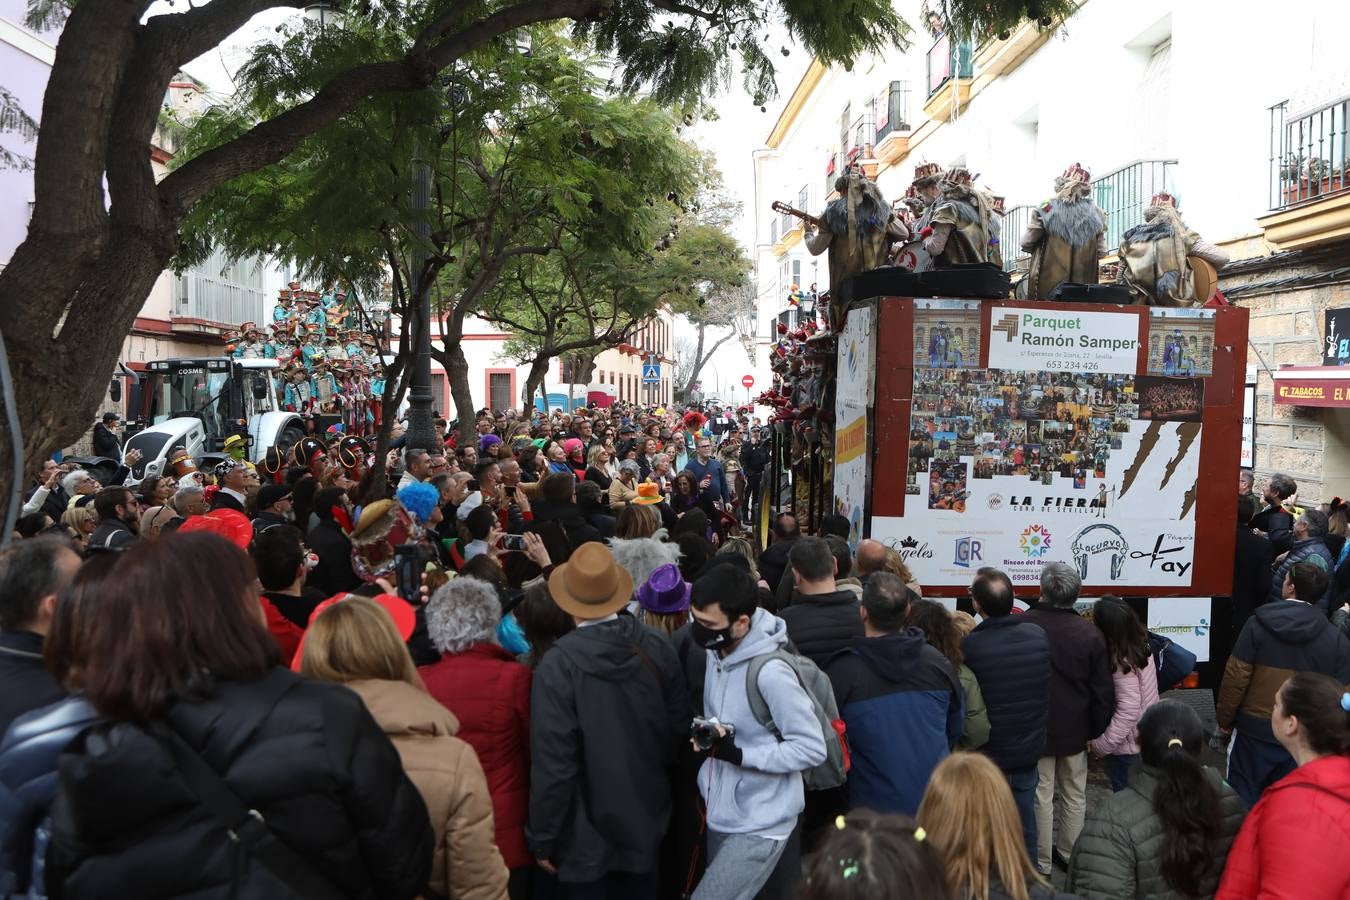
point(853, 397)
point(1058, 451)
point(1059, 340)
point(1185, 621)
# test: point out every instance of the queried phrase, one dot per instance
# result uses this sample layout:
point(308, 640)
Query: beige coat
point(467, 865)
point(620, 494)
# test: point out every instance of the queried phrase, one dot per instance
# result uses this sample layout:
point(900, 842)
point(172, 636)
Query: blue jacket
point(28, 782)
point(903, 707)
point(1011, 661)
point(719, 486)
point(1310, 550)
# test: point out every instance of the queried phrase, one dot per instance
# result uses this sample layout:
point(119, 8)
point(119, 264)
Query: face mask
point(709, 638)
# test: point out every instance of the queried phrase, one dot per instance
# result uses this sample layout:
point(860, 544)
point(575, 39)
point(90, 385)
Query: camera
point(704, 732)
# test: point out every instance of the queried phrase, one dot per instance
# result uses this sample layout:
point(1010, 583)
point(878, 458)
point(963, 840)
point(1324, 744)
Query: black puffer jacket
point(323, 775)
point(1011, 661)
point(28, 757)
point(820, 625)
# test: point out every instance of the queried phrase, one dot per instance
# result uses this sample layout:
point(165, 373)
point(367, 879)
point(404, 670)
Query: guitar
point(788, 210)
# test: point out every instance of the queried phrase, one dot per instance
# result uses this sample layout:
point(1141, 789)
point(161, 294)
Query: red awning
point(1313, 386)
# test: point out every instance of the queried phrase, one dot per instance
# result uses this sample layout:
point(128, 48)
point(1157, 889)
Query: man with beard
point(1153, 257)
point(1066, 236)
point(118, 520)
point(960, 229)
point(858, 228)
point(274, 508)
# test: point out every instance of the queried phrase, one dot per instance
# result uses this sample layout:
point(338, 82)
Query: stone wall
point(1286, 329)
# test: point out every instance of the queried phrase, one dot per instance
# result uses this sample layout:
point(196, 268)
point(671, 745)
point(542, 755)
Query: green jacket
point(977, 717)
point(1119, 852)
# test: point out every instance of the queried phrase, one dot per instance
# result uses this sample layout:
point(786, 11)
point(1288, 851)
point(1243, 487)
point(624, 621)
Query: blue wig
point(420, 499)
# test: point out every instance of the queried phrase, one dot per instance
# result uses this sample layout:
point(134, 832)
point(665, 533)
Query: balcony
point(862, 135)
point(218, 292)
point(1309, 178)
point(1015, 221)
point(1124, 194)
point(950, 70)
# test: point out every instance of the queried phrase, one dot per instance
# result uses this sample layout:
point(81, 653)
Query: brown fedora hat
point(591, 585)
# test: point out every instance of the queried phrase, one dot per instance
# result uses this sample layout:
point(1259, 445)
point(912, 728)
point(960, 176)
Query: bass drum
point(912, 256)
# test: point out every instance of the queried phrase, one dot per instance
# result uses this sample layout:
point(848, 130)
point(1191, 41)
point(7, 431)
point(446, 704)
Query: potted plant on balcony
point(1306, 179)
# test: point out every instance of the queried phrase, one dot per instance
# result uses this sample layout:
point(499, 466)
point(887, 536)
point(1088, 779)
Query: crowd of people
point(499, 677)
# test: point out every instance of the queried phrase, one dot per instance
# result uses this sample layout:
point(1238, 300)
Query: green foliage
point(47, 15)
point(983, 21)
point(13, 120)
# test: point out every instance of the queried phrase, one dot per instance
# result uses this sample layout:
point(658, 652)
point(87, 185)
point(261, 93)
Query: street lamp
point(324, 13)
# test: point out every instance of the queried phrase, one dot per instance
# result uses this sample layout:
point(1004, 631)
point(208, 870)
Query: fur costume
point(968, 215)
point(640, 557)
point(1153, 259)
point(1065, 237)
point(858, 229)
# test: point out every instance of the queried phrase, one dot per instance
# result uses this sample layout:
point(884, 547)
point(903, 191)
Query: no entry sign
point(748, 382)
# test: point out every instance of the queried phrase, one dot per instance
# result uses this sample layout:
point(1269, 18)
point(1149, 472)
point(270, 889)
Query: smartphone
point(515, 542)
point(408, 565)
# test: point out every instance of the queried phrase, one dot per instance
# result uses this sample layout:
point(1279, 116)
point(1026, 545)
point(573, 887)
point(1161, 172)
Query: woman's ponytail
point(1170, 737)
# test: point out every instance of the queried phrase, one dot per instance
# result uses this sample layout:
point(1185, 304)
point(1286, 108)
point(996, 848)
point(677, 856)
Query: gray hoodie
point(764, 795)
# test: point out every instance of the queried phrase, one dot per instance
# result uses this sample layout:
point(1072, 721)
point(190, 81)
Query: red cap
point(404, 616)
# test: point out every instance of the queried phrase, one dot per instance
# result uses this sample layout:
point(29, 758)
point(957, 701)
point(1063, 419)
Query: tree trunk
point(534, 381)
point(461, 393)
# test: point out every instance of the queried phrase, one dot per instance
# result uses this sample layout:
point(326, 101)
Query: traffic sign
point(651, 373)
point(748, 382)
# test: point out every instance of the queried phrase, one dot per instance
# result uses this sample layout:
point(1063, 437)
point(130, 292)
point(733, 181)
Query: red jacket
point(1291, 846)
point(283, 631)
point(489, 692)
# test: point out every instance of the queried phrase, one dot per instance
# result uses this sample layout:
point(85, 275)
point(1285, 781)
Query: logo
point(995, 501)
point(1095, 539)
point(910, 548)
point(1034, 541)
point(968, 550)
point(1157, 557)
point(1007, 325)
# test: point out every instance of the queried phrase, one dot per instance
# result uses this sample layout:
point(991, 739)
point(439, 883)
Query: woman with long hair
point(940, 629)
point(971, 820)
point(176, 661)
point(355, 643)
point(895, 564)
point(1167, 834)
point(869, 856)
point(1293, 842)
point(1136, 682)
point(597, 466)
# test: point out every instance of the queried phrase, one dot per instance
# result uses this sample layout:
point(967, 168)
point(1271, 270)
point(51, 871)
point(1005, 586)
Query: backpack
point(1174, 662)
point(834, 770)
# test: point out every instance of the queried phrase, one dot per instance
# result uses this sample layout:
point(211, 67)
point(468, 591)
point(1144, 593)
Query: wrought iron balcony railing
point(1124, 194)
point(1308, 153)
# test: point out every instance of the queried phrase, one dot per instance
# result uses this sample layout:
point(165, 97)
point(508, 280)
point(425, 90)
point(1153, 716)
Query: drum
point(1206, 279)
point(911, 255)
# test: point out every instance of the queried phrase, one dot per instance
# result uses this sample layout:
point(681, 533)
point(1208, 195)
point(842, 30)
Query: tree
point(102, 229)
point(528, 154)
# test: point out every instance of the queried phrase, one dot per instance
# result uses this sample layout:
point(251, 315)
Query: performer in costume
point(959, 223)
point(325, 388)
point(283, 315)
point(1153, 256)
point(859, 229)
point(1066, 235)
point(332, 347)
point(314, 316)
point(353, 345)
point(231, 338)
point(299, 397)
point(376, 393)
point(312, 350)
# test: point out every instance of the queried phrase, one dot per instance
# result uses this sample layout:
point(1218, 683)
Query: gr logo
point(969, 550)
